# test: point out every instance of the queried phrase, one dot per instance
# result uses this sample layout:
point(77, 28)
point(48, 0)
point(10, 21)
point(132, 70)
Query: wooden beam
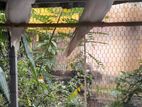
point(61, 25)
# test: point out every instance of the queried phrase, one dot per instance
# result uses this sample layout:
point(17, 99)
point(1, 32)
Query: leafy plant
point(4, 86)
point(129, 86)
point(3, 63)
point(37, 87)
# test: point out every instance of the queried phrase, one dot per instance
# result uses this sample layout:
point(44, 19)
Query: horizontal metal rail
point(100, 24)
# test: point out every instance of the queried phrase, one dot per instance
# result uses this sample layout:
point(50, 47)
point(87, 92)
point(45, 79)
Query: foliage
point(46, 52)
point(78, 66)
point(42, 90)
point(35, 85)
point(4, 86)
point(2, 16)
point(38, 93)
point(41, 93)
point(36, 60)
point(30, 56)
point(129, 88)
point(3, 64)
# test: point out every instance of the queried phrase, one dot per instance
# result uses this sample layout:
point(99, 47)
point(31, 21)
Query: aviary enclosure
point(103, 71)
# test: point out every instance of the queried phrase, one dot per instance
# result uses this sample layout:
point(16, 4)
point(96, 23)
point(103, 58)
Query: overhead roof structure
point(69, 4)
point(72, 3)
point(64, 3)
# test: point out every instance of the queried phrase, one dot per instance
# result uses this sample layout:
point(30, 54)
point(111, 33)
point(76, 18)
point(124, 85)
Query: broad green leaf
point(3, 86)
point(29, 54)
point(28, 51)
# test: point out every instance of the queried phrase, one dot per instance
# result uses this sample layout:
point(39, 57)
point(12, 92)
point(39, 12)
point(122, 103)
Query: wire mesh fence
point(109, 50)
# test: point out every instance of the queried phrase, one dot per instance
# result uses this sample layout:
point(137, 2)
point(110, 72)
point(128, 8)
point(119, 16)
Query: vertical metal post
point(13, 83)
point(85, 82)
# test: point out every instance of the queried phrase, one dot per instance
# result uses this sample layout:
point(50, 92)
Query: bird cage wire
point(108, 50)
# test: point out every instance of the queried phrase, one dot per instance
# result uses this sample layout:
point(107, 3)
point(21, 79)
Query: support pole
point(85, 75)
point(13, 83)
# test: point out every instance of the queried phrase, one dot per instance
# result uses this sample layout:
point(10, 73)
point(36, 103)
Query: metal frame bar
point(61, 25)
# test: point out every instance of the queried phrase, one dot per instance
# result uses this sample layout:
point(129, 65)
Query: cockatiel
point(18, 11)
point(95, 11)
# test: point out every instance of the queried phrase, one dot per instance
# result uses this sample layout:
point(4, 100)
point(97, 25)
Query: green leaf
point(28, 50)
point(3, 86)
point(29, 54)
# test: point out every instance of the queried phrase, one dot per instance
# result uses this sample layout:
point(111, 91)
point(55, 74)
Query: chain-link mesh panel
point(125, 12)
point(117, 48)
point(109, 50)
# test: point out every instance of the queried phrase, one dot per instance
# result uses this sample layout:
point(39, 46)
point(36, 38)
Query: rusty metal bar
point(99, 24)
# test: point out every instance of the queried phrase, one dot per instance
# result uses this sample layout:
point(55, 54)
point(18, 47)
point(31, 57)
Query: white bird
point(95, 11)
point(18, 11)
